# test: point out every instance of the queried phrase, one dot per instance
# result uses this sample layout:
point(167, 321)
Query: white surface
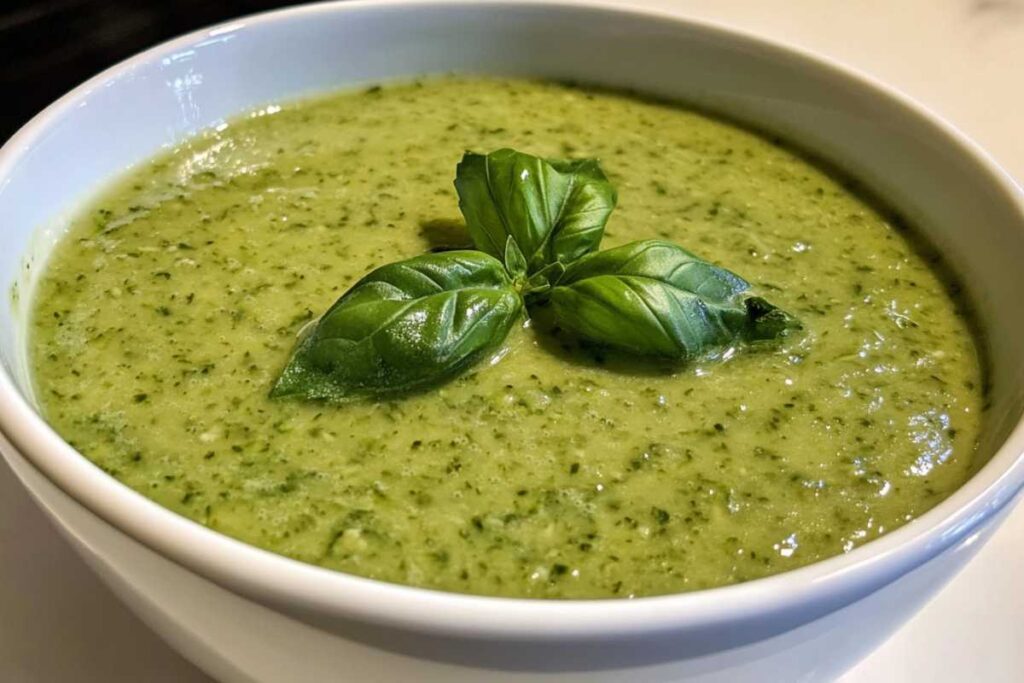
point(948, 56)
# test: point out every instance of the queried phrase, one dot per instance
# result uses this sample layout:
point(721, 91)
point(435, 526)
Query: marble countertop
point(962, 58)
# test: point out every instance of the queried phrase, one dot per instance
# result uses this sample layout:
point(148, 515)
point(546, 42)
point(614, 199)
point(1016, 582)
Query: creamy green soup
point(165, 315)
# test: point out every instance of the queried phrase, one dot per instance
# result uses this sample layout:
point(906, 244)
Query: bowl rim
point(282, 581)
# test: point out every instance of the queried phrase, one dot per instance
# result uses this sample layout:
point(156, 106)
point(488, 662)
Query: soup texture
point(551, 470)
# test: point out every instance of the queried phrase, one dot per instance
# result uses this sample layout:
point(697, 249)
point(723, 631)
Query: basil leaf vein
point(655, 298)
point(404, 326)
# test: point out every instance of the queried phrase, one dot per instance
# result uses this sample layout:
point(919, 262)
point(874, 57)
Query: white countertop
point(961, 58)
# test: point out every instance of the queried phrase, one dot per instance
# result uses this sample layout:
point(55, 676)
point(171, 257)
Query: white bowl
point(245, 614)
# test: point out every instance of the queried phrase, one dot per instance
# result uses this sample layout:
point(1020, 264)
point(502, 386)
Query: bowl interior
point(946, 187)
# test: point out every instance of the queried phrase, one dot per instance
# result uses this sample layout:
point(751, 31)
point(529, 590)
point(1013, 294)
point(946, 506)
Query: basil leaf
point(406, 325)
point(515, 262)
point(554, 210)
point(656, 298)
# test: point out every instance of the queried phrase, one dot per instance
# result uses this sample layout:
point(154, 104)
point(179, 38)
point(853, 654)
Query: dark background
point(50, 46)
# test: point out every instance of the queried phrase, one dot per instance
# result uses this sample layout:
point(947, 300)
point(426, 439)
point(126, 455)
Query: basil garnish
point(656, 298)
point(554, 210)
point(404, 326)
point(537, 224)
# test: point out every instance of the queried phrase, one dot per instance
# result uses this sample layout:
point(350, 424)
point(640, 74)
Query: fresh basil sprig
point(553, 210)
point(537, 224)
point(655, 298)
point(404, 326)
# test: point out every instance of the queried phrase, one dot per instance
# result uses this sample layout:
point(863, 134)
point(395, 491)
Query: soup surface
point(166, 313)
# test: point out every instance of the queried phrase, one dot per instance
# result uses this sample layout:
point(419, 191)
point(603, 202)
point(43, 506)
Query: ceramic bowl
point(245, 614)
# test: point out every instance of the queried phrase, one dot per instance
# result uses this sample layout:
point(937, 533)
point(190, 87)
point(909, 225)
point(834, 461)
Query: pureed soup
point(551, 468)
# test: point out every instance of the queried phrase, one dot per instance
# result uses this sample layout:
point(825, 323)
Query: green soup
point(166, 313)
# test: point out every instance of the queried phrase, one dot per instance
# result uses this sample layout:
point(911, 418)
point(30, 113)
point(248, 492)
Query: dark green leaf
point(656, 298)
point(554, 210)
point(515, 262)
point(404, 326)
